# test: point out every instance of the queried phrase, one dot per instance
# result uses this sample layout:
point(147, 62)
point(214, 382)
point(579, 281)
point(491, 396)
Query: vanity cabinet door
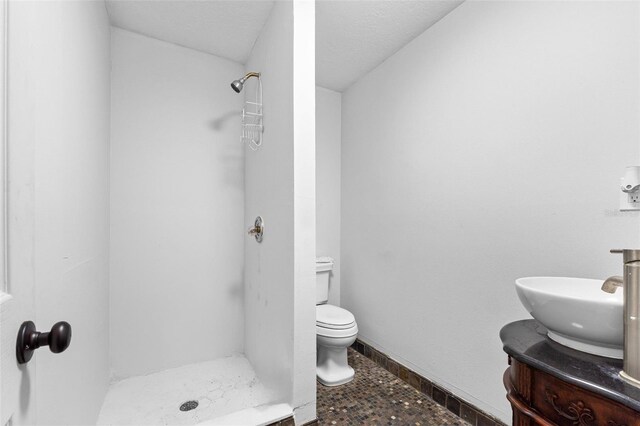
point(566, 404)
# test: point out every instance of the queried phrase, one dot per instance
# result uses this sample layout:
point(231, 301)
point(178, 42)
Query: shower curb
point(458, 406)
point(284, 422)
point(289, 421)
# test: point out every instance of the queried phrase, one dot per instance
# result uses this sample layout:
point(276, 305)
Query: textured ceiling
point(222, 28)
point(355, 36)
point(352, 36)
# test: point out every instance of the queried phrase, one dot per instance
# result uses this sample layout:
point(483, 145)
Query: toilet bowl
point(336, 330)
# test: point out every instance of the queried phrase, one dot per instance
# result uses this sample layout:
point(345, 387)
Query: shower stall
point(131, 186)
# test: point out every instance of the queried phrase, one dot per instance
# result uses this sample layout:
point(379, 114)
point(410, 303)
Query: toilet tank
point(324, 266)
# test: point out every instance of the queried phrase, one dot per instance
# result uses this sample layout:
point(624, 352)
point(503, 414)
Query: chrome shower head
point(237, 85)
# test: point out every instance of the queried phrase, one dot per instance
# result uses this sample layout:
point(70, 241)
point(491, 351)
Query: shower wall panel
point(177, 202)
point(280, 186)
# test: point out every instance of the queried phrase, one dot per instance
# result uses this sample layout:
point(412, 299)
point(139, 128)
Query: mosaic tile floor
point(377, 397)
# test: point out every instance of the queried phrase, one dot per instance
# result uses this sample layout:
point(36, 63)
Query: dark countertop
point(527, 342)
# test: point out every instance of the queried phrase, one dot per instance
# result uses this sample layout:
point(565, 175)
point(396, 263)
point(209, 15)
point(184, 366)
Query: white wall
point(58, 149)
point(177, 200)
point(304, 211)
point(328, 130)
point(487, 149)
point(279, 272)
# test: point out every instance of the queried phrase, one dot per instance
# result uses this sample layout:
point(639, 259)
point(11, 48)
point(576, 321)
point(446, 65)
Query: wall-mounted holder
point(252, 126)
point(630, 189)
point(258, 229)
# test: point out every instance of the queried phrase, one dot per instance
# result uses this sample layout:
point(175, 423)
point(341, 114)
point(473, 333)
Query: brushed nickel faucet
point(631, 296)
point(611, 284)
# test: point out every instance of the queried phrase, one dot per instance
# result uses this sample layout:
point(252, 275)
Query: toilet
point(336, 330)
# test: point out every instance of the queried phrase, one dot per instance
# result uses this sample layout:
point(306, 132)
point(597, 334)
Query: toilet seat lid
point(329, 316)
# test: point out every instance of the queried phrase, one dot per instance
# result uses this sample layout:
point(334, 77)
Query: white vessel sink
point(576, 312)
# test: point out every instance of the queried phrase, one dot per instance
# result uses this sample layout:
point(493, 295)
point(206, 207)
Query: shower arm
point(251, 74)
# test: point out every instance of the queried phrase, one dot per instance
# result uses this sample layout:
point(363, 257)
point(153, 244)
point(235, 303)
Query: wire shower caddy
point(252, 120)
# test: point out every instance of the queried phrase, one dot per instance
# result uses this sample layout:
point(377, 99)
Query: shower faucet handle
point(258, 229)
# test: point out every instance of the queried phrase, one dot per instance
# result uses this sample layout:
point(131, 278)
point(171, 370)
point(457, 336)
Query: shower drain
point(188, 406)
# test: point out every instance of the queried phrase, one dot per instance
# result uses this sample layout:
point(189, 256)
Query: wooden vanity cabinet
point(538, 398)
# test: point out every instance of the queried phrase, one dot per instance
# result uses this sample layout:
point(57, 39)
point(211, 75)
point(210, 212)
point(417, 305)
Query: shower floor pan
point(226, 390)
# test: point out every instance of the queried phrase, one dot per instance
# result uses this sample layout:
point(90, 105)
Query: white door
point(12, 307)
point(55, 249)
point(17, 302)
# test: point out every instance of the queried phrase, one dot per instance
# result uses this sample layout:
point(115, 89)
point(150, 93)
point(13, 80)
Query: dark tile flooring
point(377, 397)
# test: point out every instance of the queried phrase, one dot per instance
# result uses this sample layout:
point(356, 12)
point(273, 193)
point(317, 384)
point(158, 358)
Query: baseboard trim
point(458, 406)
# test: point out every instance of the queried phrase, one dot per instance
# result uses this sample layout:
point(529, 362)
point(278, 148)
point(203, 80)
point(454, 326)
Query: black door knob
point(29, 339)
